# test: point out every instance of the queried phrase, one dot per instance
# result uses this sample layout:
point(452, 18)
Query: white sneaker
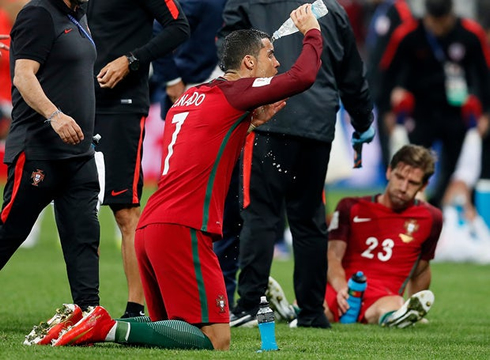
point(278, 302)
point(412, 311)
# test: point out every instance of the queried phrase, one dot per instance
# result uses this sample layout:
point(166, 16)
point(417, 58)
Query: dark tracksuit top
point(341, 75)
point(123, 26)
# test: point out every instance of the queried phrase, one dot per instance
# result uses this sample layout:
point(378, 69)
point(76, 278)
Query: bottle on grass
point(267, 325)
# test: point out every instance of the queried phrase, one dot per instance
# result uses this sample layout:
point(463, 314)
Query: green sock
point(383, 318)
point(141, 319)
point(168, 334)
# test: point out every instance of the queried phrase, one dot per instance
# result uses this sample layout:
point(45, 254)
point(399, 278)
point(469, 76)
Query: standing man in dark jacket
point(122, 31)
point(443, 61)
point(48, 150)
point(287, 158)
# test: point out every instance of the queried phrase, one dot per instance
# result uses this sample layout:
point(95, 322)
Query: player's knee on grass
point(219, 334)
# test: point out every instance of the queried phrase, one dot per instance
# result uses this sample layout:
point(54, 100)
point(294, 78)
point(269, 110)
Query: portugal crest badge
point(410, 226)
point(221, 303)
point(37, 176)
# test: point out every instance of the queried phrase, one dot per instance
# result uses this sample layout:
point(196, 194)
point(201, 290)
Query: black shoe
point(242, 319)
point(128, 314)
point(318, 322)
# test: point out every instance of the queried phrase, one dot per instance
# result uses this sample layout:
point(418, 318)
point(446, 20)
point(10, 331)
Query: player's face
point(404, 182)
point(267, 63)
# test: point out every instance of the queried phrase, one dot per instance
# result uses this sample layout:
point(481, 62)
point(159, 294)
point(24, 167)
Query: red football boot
point(42, 334)
point(93, 328)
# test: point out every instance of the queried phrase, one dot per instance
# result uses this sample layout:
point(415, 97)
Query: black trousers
point(430, 125)
point(288, 171)
point(73, 186)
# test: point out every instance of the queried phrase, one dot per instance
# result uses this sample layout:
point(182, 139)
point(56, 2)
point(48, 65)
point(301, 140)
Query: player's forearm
point(305, 69)
point(336, 275)
point(33, 94)
point(419, 282)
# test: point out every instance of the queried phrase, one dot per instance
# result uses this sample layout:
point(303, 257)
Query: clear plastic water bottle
point(287, 28)
point(267, 325)
point(357, 285)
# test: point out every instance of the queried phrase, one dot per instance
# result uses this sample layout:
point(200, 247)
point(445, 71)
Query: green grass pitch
point(33, 284)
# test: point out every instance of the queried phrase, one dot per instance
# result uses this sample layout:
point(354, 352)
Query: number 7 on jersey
point(178, 119)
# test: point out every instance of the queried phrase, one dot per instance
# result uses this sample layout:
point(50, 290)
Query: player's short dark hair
point(237, 45)
point(417, 157)
point(438, 8)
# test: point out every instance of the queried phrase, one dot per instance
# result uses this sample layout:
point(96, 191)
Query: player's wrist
point(53, 115)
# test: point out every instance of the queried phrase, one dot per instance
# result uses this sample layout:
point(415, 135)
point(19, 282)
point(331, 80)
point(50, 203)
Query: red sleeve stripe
point(247, 167)
point(137, 168)
point(476, 29)
point(398, 35)
point(19, 169)
point(174, 10)
point(403, 11)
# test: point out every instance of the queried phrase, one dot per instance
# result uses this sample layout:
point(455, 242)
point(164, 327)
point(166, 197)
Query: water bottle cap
point(263, 299)
point(319, 9)
point(359, 277)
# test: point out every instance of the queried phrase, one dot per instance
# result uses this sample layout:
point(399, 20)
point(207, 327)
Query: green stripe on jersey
point(200, 281)
point(209, 187)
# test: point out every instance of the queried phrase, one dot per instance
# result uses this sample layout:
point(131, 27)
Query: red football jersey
point(204, 133)
point(382, 243)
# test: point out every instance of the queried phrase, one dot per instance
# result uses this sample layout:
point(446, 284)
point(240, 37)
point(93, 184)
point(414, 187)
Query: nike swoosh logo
point(68, 30)
point(115, 193)
point(357, 219)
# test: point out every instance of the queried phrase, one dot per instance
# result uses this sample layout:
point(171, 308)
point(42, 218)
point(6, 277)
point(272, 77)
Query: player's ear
point(249, 62)
point(388, 172)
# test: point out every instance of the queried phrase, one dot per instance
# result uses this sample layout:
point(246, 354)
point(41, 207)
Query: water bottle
point(267, 326)
point(356, 286)
point(287, 28)
point(459, 202)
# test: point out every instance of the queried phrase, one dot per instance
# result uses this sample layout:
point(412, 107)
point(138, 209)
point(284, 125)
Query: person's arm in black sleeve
point(164, 67)
point(480, 69)
point(175, 29)
point(352, 83)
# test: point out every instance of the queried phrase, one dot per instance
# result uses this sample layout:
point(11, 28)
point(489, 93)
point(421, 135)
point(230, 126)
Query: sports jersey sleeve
point(429, 245)
point(339, 228)
point(33, 34)
point(175, 29)
point(249, 93)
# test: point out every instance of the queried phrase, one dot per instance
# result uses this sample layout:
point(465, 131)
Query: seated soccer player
point(391, 237)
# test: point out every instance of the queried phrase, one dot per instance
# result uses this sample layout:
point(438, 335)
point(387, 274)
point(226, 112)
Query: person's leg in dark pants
point(262, 201)
point(452, 136)
point(306, 215)
point(78, 226)
point(28, 190)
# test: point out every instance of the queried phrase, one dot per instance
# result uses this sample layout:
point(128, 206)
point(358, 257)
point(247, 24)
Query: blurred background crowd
point(463, 168)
